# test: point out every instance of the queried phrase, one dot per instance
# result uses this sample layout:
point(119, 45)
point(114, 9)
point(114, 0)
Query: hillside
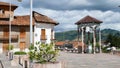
point(72, 35)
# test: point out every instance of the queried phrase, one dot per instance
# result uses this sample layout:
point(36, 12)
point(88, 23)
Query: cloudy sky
point(68, 12)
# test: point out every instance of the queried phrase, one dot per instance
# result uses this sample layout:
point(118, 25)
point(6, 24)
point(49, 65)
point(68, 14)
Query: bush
point(20, 53)
point(43, 53)
point(11, 47)
point(105, 50)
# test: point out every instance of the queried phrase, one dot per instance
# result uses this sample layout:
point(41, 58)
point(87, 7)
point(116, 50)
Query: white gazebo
point(89, 25)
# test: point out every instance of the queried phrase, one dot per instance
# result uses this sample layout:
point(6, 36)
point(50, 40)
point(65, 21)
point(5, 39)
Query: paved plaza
point(74, 60)
point(6, 62)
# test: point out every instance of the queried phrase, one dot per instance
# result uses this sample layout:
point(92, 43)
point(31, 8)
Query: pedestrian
point(113, 49)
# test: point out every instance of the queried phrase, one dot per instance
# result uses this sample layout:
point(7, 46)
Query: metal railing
point(43, 37)
point(2, 37)
point(4, 16)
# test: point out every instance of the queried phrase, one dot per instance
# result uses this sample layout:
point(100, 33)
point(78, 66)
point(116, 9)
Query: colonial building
point(43, 30)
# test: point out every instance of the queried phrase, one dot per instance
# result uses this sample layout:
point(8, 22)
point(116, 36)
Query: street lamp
point(31, 26)
point(10, 24)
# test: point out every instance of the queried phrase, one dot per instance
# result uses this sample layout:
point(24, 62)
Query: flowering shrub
point(43, 53)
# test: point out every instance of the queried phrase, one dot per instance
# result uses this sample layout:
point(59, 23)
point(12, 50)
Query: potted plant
point(44, 56)
point(18, 58)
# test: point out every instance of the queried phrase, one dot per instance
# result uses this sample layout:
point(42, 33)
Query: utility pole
point(31, 26)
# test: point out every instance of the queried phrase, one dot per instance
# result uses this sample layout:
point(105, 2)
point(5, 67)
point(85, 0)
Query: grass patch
point(20, 53)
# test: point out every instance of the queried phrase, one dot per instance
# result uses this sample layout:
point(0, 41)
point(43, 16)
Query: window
point(1, 11)
point(43, 34)
point(22, 46)
point(52, 35)
point(22, 33)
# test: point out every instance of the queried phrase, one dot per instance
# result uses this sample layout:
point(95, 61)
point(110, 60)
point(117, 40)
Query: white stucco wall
point(37, 32)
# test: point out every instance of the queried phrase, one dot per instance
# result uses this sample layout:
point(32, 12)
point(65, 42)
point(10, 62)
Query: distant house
point(74, 44)
point(43, 30)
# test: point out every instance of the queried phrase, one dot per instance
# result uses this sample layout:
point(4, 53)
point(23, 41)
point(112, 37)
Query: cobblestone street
point(74, 60)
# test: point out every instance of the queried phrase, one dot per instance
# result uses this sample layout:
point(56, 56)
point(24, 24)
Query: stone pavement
point(6, 63)
point(74, 60)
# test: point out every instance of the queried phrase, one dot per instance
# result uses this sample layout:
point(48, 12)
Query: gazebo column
point(100, 40)
point(94, 39)
point(82, 40)
point(78, 29)
point(88, 38)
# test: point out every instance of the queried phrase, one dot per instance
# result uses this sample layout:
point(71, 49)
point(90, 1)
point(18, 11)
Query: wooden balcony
point(4, 16)
point(43, 37)
point(13, 37)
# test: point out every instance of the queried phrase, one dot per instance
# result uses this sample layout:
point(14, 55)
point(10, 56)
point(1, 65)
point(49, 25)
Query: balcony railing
point(43, 37)
point(4, 16)
point(2, 37)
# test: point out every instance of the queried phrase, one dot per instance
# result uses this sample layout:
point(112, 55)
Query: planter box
point(49, 65)
point(19, 59)
point(15, 61)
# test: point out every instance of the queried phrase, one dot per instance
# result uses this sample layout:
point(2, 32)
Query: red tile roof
point(18, 20)
point(5, 6)
point(88, 19)
point(61, 43)
point(25, 20)
point(75, 44)
point(43, 19)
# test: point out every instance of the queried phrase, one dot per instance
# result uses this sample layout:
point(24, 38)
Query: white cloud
point(79, 2)
point(67, 18)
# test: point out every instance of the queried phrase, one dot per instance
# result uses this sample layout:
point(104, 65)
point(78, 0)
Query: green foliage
point(20, 53)
point(114, 40)
point(68, 35)
point(43, 53)
point(105, 50)
point(72, 35)
point(31, 52)
point(31, 47)
point(11, 47)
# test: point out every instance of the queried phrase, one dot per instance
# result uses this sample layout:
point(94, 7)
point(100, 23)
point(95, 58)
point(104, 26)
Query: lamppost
point(9, 25)
point(31, 26)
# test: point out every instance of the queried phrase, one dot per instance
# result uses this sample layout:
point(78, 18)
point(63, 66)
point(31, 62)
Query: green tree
point(114, 40)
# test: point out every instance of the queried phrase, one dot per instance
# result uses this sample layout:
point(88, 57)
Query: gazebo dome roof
point(88, 19)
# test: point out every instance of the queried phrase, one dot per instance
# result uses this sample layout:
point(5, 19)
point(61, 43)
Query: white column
point(94, 40)
point(82, 40)
point(100, 39)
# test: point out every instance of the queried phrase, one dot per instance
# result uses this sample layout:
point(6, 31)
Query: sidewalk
point(75, 60)
point(6, 63)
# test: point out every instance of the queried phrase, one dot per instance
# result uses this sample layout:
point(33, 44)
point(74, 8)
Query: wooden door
point(22, 46)
point(22, 33)
point(6, 32)
point(5, 42)
point(5, 47)
point(43, 35)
